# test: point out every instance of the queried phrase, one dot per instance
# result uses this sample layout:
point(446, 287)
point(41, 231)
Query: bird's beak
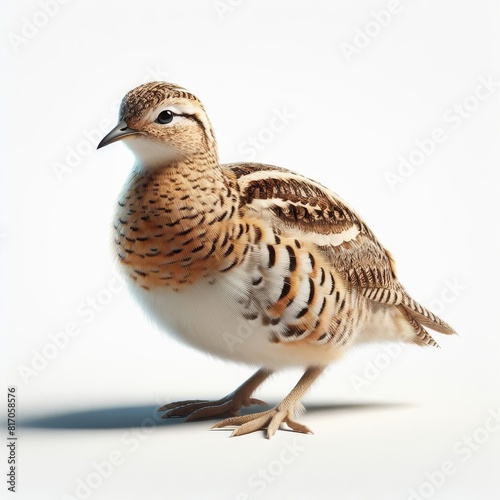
point(121, 131)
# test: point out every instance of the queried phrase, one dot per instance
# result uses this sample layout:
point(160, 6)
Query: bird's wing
point(306, 207)
point(322, 218)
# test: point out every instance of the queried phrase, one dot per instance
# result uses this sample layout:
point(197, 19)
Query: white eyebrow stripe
point(175, 109)
point(193, 113)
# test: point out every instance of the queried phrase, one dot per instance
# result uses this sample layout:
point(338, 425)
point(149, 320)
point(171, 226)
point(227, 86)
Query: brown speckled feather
point(300, 204)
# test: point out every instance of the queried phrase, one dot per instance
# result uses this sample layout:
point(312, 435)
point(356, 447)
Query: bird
point(248, 262)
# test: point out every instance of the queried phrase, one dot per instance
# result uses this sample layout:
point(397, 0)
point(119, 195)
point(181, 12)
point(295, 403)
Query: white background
point(383, 424)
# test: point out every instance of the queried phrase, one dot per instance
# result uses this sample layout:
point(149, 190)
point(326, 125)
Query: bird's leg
point(231, 404)
point(283, 412)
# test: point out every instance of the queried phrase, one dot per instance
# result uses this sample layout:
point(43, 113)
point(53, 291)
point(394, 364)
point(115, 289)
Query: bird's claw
point(270, 420)
point(200, 409)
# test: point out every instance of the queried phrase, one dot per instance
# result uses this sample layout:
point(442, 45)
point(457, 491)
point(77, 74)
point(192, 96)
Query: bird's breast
point(171, 230)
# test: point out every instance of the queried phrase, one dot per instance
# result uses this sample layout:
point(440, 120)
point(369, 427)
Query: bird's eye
point(165, 117)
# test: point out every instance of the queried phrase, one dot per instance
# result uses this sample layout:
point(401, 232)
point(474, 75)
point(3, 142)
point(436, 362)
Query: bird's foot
point(270, 419)
point(200, 409)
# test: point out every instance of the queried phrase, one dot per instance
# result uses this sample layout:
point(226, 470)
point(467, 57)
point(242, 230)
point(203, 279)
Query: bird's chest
point(166, 234)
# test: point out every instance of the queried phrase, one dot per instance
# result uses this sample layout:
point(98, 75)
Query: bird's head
point(163, 123)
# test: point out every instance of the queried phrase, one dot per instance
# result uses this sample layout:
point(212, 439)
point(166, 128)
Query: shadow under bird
point(248, 262)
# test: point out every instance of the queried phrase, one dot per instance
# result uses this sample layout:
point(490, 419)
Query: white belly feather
point(210, 318)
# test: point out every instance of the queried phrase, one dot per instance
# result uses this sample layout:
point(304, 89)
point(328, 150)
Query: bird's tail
point(420, 317)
